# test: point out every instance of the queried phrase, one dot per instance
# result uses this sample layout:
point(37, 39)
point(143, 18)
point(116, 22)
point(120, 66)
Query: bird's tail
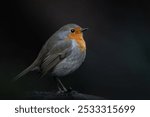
point(24, 72)
point(32, 67)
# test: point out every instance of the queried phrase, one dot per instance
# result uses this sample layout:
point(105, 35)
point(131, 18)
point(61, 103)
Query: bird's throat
point(79, 39)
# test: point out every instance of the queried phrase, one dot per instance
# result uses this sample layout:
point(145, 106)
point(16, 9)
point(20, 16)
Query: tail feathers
point(30, 68)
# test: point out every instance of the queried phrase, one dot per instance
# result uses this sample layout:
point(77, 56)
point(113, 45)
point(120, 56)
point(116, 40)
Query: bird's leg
point(59, 88)
point(60, 85)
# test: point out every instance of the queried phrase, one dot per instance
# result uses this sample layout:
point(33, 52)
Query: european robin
point(61, 55)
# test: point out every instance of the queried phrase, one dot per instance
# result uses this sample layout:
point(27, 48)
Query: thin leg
point(60, 85)
point(59, 88)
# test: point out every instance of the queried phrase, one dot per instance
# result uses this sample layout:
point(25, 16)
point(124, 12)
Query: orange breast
point(79, 39)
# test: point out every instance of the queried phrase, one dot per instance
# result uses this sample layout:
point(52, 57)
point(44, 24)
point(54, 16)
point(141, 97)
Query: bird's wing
point(55, 55)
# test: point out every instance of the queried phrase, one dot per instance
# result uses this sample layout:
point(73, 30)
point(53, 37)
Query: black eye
point(72, 30)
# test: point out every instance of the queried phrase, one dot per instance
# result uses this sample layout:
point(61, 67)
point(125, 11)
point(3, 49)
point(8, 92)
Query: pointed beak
point(84, 29)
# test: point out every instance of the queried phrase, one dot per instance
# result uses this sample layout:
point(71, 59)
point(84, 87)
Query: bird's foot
point(61, 90)
point(66, 91)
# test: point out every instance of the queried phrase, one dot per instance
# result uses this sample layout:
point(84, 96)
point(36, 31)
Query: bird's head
point(73, 32)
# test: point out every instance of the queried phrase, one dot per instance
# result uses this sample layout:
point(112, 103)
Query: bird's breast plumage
point(71, 62)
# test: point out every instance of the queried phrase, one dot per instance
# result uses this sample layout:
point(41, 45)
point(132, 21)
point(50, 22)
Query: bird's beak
point(83, 29)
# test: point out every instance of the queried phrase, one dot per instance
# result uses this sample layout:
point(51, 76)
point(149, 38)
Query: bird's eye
point(72, 30)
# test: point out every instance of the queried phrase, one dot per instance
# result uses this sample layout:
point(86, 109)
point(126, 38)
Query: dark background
point(117, 65)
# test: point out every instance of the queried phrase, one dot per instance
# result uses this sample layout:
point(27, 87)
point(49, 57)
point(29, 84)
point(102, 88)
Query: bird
point(63, 53)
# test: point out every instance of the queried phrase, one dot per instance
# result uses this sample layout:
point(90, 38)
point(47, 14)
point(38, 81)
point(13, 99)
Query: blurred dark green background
point(118, 45)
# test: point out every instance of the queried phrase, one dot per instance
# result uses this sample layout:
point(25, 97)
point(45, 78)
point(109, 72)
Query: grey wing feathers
point(49, 63)
point(55, 55)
